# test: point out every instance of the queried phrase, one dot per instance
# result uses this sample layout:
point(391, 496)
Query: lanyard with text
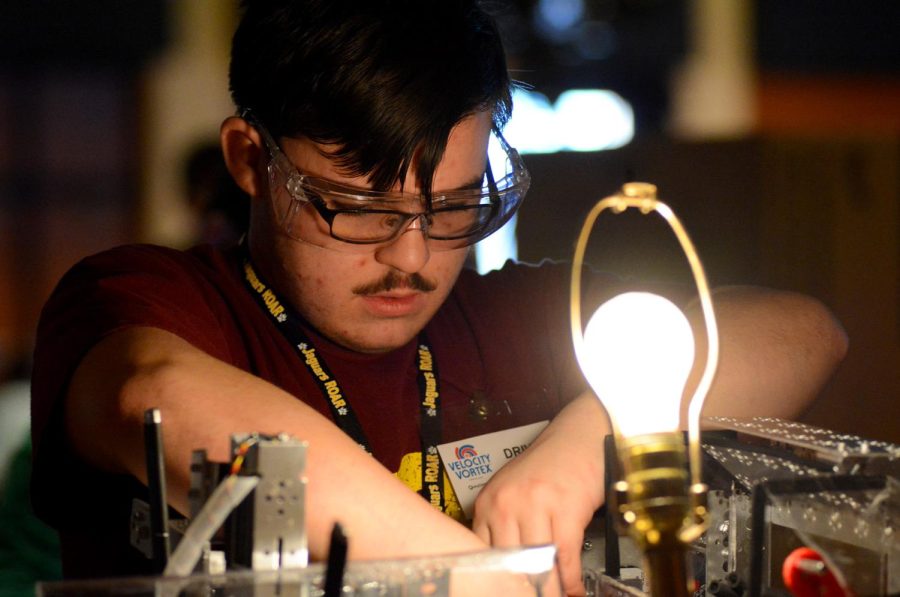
point(289, 325)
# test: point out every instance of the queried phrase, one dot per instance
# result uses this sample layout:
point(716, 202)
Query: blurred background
point(772, 127)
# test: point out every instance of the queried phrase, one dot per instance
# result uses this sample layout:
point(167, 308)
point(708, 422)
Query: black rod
point(156, 485)
point(612, 559)
point(337, 561)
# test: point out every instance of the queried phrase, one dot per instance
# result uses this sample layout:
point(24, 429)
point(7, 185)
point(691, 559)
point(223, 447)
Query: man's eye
point(391, 220)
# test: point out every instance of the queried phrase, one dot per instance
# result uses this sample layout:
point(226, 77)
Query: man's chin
point(384, 338)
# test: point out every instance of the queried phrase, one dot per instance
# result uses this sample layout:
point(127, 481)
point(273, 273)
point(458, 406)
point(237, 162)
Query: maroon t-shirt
point(501, 345)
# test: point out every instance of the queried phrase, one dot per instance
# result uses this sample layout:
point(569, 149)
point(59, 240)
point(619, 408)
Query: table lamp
point(637, 352)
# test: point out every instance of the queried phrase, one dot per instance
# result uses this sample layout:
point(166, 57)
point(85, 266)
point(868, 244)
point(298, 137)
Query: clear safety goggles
point(350, 219)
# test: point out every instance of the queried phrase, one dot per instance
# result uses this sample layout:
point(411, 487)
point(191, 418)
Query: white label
point(470, 463)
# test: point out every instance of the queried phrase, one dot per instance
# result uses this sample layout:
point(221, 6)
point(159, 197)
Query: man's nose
point(409, 252)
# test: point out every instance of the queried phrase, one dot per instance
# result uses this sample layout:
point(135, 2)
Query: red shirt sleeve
point(121, 288)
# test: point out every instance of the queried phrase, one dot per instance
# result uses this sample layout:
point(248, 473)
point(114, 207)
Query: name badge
point(470, 463)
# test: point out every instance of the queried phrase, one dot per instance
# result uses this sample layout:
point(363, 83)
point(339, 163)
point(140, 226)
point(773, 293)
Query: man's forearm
point(777, 351)
point(204, 401)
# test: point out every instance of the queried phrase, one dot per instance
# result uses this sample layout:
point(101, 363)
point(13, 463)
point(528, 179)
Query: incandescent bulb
point(637, 354)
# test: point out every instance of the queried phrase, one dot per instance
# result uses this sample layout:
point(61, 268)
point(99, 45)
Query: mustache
point(393, 280)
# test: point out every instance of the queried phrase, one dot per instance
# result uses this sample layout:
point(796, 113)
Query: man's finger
point(569, 540)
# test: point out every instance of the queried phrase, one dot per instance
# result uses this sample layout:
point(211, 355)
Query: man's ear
point(244, 154)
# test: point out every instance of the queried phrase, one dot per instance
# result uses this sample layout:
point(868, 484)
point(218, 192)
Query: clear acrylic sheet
point(854, 530)
point(529, 572)
point(836, 493)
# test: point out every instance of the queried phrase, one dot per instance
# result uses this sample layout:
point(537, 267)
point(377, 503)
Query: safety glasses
point(351, 219)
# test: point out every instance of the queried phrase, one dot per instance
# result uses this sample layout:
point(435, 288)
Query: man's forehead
point(465, 158)
point(461, 167)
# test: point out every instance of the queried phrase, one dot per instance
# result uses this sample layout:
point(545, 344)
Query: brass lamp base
point(658, 506)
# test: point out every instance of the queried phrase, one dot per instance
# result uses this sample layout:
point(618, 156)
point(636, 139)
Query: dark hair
point(384, 80)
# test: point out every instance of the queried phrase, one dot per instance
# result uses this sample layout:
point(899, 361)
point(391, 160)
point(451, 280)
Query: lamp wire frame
point(642, 196)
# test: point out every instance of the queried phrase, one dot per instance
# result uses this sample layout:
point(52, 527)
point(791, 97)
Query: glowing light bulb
point(637, 354)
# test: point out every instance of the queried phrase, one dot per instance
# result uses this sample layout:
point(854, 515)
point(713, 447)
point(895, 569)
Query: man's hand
point(549, 493)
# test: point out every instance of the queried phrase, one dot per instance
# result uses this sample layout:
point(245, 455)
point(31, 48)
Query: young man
point(362, 144)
